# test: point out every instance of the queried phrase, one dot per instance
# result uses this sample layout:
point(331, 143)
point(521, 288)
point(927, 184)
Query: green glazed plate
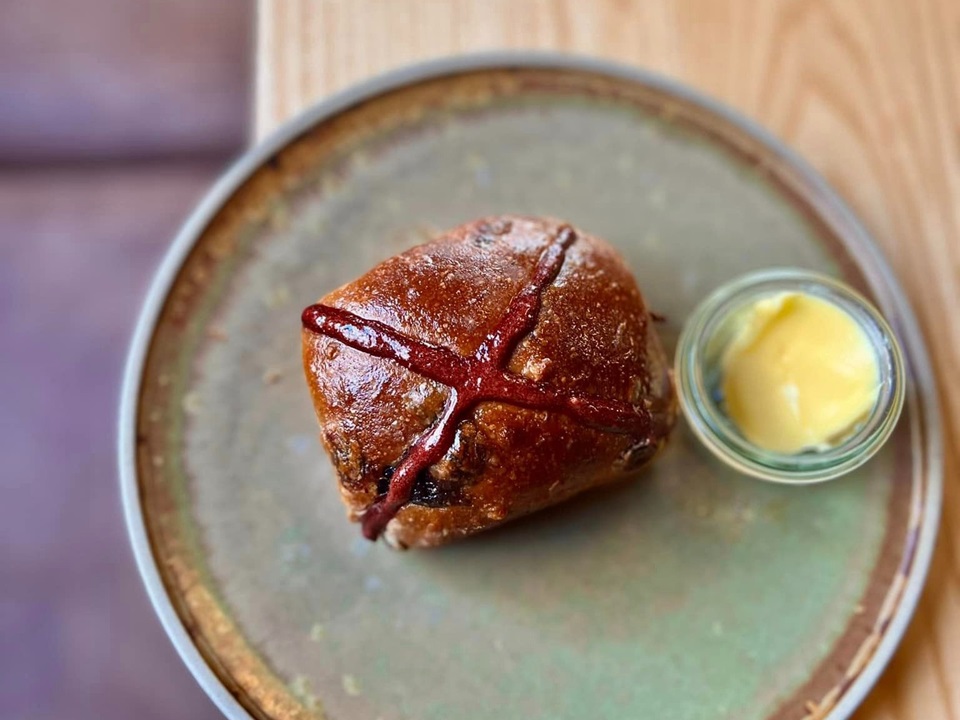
point(691, 593)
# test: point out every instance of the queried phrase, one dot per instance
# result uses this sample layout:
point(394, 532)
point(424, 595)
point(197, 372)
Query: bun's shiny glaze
point(583, 391)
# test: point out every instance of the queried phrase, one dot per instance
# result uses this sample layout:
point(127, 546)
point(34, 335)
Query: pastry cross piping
point(472, 379)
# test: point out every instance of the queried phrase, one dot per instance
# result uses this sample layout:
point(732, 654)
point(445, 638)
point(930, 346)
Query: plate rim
point(252, 158)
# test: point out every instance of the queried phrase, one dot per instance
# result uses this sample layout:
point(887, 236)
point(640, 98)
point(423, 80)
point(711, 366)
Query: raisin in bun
point(503, 367)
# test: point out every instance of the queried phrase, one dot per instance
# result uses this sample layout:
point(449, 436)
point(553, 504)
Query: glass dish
point(701, 347)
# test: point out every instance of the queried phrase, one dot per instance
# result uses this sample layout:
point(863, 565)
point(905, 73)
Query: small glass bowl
point(698, 368)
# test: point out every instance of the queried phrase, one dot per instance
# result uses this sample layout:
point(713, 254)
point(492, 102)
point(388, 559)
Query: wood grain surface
point(115, 117)
point(78, 244)
point(123, 81)
point(867, 90)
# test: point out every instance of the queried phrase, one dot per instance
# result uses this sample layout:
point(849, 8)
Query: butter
point(799, 374)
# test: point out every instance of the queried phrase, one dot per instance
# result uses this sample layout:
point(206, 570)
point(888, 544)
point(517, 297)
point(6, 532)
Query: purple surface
point(123, 78)
point(79, 639)
point(98, 100)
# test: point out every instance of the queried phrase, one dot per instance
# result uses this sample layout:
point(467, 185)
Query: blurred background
point(115, 116)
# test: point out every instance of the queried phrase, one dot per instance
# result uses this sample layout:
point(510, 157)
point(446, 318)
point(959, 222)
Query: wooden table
point(867, 90)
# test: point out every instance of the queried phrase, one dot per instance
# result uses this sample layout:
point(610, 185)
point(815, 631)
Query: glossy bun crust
point(593, 336)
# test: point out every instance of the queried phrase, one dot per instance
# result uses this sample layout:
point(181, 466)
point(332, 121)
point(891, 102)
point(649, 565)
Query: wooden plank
point(867, 90)
point(100, 78)
point(78, 246)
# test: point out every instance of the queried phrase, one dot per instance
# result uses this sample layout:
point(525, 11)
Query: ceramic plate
point(691, 593)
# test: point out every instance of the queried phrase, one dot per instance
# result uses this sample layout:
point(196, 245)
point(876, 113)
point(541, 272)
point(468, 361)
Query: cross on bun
point(503, 367)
